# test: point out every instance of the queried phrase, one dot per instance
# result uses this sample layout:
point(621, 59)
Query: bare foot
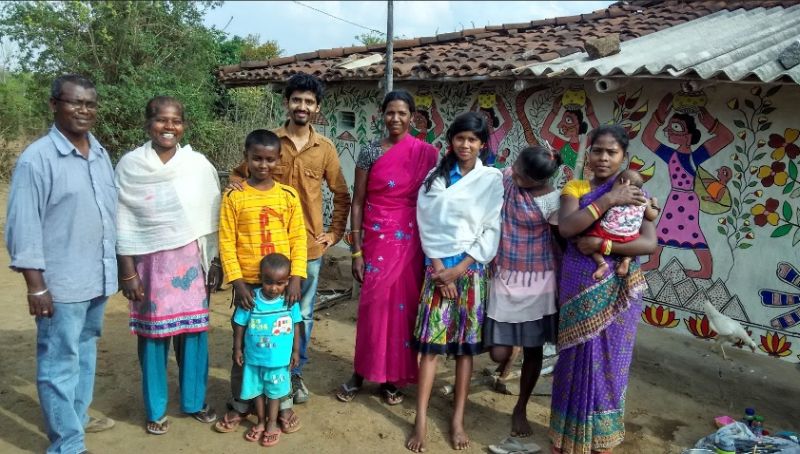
point(416, 441)
point(520, 427)
point(623, 267)
point(600, 272)
point(459, 437)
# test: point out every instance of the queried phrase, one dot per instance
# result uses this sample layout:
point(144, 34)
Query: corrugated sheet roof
point(735, 45)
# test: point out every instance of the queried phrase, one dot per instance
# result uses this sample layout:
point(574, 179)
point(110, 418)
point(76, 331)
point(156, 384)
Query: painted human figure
point(499, 127)
point(679, 225)
point(571, 126)
point(427, 125)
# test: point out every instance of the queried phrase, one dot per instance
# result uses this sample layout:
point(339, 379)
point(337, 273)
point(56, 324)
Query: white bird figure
point(728, 329)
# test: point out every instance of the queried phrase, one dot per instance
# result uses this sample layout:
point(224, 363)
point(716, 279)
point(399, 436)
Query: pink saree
point(393, 274)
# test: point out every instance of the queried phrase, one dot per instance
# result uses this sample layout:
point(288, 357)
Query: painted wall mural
point(722, 159)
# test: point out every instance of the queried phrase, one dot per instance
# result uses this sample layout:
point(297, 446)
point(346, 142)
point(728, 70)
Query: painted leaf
point(721, 230)
point(787, 211)
point(737, 167)
point(772, 91)
point(796, 238)
point(737, 184)
point(745, 246)
point(767, 110)
point(739, 124)
point(752, 184)
point(739, 148)
point(792, 170)
point(759, 156)
point(788, 188)
point(749, 201)
point(796, 193)
point(781, 231)
point(765, 126)
point(749, 103)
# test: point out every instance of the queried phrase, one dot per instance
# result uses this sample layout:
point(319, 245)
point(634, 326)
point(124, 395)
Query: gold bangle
point(356, 254)
point(130, 277)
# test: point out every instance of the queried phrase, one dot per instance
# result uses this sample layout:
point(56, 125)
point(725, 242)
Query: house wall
point(748, 187)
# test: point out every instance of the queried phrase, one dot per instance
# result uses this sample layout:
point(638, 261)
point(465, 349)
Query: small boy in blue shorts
point(270, 333)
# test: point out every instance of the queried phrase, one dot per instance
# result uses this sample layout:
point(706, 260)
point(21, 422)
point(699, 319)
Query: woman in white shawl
point(458, 212)
point(167, 237)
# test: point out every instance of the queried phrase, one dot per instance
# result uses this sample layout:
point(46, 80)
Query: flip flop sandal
point(159, 427)
point(390, 397)
point(206, 415)
point(285, 428)
point(226, 425)
point(347, 393)
point(253, 435)
point(266, 443)
point(512, 445)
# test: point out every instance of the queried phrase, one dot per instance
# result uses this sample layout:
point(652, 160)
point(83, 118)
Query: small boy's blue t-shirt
point(269, 331)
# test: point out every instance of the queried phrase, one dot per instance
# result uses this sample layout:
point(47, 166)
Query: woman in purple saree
point(597, 320)
point(387, 255)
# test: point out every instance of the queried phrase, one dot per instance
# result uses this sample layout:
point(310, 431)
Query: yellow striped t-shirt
point(254, 223)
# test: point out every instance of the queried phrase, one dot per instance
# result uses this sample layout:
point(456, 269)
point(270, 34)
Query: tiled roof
point(490, 52)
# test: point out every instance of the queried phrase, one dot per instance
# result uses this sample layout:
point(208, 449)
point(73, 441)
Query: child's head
point(632, 176)
point(535, 166)
point(274, 272)
point(262, 151)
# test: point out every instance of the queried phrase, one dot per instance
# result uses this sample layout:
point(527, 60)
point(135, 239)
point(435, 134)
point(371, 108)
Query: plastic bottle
point(758, 426)
point(749, 416)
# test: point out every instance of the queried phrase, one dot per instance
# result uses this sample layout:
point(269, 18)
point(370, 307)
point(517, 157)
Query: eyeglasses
point(77, 105)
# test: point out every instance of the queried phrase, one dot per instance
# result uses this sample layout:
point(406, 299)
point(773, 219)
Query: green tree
point(132, 50)
point(250, 48)
point(370, 38)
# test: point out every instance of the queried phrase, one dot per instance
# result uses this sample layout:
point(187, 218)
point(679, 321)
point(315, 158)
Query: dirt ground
point(677, 386)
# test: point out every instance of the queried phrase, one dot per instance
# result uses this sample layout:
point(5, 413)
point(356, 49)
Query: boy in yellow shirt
point(263, 218)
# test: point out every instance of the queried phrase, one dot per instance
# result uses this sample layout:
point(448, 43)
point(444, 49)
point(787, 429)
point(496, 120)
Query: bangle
point(606, 247)
point(130, 277)
point(39, 293)
point(357, 254)
point(593, 211)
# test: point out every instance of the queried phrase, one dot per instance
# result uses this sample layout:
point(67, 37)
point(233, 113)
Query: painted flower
point(700, 327)
point(775, 345)
point(766, 213)
point(774, 174)
point(784, 145)
point(659, 316)
point(392, 184)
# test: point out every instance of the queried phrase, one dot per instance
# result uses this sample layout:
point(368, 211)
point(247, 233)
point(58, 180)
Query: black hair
point(262, 137)
point(156, 103)
point(274, 261)
point(399, 95)
point(616, 131)
point(470, 121)
point(76, 79)
point(538, 162)
point(582, 125)
point(691, 126)
point(304, 82)
point(490, 112)
point(427, 117)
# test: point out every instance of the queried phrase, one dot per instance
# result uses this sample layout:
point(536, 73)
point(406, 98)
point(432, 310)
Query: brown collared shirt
point(304, 170)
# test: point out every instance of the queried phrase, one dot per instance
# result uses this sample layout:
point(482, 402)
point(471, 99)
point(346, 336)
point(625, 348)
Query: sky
point(299, 29)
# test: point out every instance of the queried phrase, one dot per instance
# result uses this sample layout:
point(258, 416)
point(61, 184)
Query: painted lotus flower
point(700, 327)
point(774, 174)
point(775, 345)
point(784, 145)
point(659, 316)
point(766, 213)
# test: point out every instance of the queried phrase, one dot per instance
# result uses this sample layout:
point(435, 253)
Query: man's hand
point(293, 290)
point(40, 305)
point(326, 239)
point(244, 296)
point(235, 185)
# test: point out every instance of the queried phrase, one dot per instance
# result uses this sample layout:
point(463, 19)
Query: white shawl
point(166, 206)
point(464, 217)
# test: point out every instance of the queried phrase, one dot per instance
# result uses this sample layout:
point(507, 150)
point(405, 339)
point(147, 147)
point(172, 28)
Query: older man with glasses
point(60, 234)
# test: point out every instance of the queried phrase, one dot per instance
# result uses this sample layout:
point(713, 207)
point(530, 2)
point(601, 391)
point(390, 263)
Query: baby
point(621, 224)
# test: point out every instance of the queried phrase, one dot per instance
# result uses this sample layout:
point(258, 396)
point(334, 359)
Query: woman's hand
point(447, 276)
point(624, 194)
point(244, 296)
point(358, 269)
point(588, 245)
point(133, 289)
point(448, 291)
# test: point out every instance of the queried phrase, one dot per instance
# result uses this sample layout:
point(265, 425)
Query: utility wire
point(339, 18)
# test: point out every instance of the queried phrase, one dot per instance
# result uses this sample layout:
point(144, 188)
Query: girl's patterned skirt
point(452, 326)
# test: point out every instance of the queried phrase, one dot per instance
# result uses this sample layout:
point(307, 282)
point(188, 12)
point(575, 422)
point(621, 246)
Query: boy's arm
point(238, 336)
point(299, 328)
point(298, 245)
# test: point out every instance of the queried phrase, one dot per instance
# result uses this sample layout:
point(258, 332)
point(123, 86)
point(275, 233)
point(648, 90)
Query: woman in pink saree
point(387, 255)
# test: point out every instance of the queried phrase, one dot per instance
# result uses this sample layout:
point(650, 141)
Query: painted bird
point(728, 329)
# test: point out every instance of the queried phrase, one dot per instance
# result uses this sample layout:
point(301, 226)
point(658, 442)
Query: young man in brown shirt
point(307, 158)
